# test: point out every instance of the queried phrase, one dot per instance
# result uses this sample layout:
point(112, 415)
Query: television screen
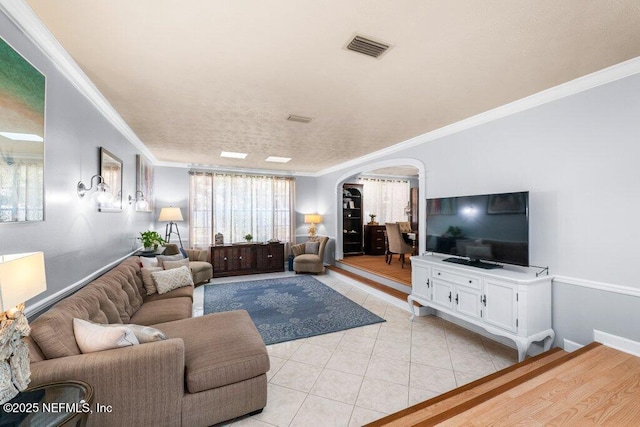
point(492, 227)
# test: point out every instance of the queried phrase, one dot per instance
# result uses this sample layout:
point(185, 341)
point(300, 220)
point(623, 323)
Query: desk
point(46, 405)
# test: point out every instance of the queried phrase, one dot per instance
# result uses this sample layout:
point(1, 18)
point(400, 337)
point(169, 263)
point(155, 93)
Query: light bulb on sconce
point(102, 195)
point(141, 203)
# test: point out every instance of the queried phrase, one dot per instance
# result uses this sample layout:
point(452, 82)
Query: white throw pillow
point(91, 337)
point(148, 262)
point(144, 334)
point(147, 280)
point(168, 265)
point(168, 280)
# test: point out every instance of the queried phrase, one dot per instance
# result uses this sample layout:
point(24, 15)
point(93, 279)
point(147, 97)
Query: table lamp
point(312, 219)
point(22, 277)
point(171, 215)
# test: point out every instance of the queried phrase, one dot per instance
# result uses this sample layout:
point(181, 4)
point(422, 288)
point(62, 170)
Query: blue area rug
point(289, 308)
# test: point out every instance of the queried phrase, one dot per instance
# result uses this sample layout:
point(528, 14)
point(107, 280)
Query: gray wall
point(171, 186)
point(76, 239)
point(578, 158)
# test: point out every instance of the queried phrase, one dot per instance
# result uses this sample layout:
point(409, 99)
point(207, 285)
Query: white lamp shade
point(170, 214)
point(22, 277)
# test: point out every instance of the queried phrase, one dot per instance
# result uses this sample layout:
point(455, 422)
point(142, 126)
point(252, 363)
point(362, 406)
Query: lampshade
point(312, 219)
point(22, 277)
point(170, 214)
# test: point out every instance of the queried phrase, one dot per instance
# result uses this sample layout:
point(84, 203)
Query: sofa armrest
point(143, 384)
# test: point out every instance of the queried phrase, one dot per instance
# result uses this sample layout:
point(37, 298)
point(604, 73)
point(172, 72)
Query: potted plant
point(248, 237)
point(151, 240)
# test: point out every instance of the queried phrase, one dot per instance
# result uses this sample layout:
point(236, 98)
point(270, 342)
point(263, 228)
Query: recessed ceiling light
point(22, 136)
point(278, 159)
point(233, 155)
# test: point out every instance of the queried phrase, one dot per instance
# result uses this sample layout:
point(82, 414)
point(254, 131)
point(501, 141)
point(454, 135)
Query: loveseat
point(211, 368)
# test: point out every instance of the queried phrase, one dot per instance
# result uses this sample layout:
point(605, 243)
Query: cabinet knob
point(438, 273)
point(225, 258)
point(470, 281)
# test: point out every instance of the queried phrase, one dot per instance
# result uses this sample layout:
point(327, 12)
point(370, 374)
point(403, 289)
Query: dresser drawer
point(458, 279)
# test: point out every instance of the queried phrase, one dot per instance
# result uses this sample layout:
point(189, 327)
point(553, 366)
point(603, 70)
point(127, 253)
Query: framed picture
point(144, 183)
point(509, 203)
point(22, 111)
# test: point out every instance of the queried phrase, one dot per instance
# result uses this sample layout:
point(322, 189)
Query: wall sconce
point(312, 219)
point(141, 203)
point(102, 194)
point(22, 277)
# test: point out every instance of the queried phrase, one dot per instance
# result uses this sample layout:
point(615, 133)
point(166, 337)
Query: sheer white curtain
point(21, 191)
point(386, 198)
point(237, 205)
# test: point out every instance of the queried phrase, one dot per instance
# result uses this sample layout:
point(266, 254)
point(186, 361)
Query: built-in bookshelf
point(352, 221)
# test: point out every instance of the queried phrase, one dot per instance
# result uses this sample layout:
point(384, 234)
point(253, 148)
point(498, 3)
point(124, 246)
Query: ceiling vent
point(301, 119)
point(367, 47)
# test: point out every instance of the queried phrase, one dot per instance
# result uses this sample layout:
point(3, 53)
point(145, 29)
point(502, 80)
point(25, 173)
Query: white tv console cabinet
point(510, 302)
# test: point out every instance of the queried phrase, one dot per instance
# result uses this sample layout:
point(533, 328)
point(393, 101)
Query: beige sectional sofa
point(211, 368)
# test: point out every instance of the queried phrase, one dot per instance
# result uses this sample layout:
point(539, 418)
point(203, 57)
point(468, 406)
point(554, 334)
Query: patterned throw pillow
point(91, 337)
point(168, 280)
point(168, 265)
point(147, 280)
point(162, 258)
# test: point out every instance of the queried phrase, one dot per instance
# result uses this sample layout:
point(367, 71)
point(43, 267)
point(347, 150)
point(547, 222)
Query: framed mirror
point(111, 172)
point(22, 105)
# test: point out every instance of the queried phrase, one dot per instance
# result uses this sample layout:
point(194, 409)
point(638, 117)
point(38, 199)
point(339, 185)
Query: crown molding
point(28, 22)
point(581, 84)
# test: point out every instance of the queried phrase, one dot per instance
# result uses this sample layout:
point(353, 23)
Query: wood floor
point(375, 264)
point(595, 385)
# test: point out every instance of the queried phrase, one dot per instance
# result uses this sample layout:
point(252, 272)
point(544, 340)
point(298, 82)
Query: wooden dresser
point(374, 239)
point(250, 258)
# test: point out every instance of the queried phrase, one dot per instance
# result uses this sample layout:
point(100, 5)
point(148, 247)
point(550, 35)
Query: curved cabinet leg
point(523, 346)
point(411, 309)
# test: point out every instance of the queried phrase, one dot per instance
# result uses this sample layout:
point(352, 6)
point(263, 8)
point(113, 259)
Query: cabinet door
point(442, 293)
point(421, 281)
point(276, 251)
point(219, 259)
point(501, 304)
point(468, 301)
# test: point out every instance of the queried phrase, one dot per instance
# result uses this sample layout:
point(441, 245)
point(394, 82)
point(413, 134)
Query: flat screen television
point(487, 227)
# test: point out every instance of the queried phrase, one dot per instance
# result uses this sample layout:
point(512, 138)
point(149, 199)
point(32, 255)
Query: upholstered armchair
point(309, 256)
point(201, 270)
point(395, 243)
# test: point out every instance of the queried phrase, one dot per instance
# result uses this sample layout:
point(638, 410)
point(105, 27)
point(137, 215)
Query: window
point(21, 191)
point(236, 205)
point(386, 198)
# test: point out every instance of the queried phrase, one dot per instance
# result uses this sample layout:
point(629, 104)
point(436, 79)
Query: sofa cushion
point(144, 334)
point(185, 291)
point(220, 349)
point(92, 337)
point(311, 247)
point(163, 310)
point(175, 278)
point(148, 262)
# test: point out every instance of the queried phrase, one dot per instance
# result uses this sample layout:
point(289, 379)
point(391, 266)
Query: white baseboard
point(571, 346)
point(619, 343)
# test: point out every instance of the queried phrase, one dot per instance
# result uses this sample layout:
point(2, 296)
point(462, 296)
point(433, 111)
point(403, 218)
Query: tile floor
point(353, 377)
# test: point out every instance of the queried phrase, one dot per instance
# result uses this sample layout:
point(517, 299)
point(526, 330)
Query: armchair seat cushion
point(220, 349)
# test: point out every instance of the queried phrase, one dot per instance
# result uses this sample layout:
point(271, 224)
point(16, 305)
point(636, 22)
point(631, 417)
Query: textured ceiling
point(194, 78)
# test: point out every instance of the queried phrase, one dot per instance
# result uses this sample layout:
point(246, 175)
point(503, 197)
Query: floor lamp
point(171, 215)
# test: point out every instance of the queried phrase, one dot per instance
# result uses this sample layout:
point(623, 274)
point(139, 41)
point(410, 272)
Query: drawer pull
point(225, 258)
